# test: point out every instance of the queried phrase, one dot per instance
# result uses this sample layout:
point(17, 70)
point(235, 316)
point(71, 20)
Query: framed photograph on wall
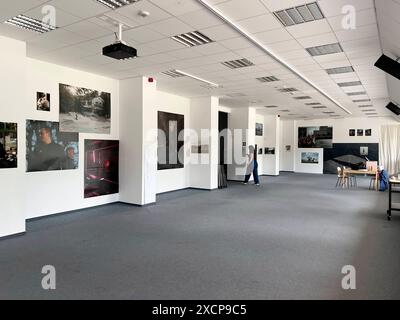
point(310, 157)
point(368, 132)
point(360, 132)
point(48, 149)
point(43, 101)
point(259, 129)
point(84, 110)
point(8, 145)
point(101, 167)
point(352, 132)
point(170, 144)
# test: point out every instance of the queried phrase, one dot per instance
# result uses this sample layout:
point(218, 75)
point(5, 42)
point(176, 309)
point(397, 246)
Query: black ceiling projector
point(120, 51)
point(395, 109)
point(389, 65)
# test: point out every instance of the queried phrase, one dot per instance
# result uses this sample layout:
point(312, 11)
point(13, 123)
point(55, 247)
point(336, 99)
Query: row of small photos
point(360, 132)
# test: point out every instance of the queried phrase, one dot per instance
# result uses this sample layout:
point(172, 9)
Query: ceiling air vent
point(300, 14)
point(319, 107)
point(287, 90)
point(192, 39)
point(115, 4)
point(235, 64)
point(366, 106)
point(173, 73)
point(325, 49)
point(268, 79)
point(340, 70)
point(271, 107)
point(361, 100)
point(350, 84)
point(30, 24)
point(313, 104)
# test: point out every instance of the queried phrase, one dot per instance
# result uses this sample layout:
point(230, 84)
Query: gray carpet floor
point(287, 239)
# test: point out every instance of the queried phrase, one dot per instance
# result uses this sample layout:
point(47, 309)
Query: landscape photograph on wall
point(101, 167)
point(310, 157)
point(49, 149)
point(84, 110)
point(315, 137)
point(8, 145)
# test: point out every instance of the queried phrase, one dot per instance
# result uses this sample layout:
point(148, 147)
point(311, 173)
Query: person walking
point(252, 167)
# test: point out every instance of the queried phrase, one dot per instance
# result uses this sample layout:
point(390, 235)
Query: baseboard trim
point(68, 212)
point(138, 205)
point(12, 236)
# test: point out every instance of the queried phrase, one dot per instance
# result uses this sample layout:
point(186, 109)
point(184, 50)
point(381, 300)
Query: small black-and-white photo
point(43, 101)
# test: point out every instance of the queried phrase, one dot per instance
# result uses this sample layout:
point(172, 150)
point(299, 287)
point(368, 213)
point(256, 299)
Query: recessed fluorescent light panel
point(31, 24)
point(235, 64)
point(350, 84)
point(268, 79)
point(173, 73)
point(302, 98)
point(115, 4)
point(300, 14)
point(340, 70)
point(192, 39)
point(360, 93)
point(209, 83)
point(325, 49)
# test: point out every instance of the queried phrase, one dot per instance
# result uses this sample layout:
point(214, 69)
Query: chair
point(342, 178)
point(372, 183)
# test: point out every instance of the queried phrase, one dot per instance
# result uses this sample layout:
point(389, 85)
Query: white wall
point(309, 167)
point(204, 167)
point(29, 195)
point(175, 179)
point(12, 89)
point(291, 161)
point(243, 119)
point(62, 191)
point(287, 138)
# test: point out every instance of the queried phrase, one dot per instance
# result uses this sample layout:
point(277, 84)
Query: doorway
point(223, 152)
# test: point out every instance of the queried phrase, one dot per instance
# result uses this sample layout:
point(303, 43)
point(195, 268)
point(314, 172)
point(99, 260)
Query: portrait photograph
point(48, 149)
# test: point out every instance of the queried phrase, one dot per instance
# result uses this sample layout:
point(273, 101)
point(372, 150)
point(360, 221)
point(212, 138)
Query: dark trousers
point(255, 174)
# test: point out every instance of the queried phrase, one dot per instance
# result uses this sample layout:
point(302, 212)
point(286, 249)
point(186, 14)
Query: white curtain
point(389, 150)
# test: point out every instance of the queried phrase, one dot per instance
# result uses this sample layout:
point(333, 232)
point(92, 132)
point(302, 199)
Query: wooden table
point(393, 183)
point(350, 172)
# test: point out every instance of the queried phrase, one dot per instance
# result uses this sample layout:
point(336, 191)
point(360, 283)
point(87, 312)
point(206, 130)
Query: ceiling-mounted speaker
point(395, 109)
point(389, 65)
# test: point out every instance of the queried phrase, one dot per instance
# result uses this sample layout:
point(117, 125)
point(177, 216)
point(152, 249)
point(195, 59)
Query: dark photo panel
point(315, 137)
point(84, 110)
point(8, 145)
point(352, 132)
point(49, 149)
point(360, 132)
point(101, 167)
point(259, 129)
point(170, 148)
point(43, 101)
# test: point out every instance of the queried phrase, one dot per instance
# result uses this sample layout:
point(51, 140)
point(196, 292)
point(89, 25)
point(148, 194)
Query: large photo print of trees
point(84, 110)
